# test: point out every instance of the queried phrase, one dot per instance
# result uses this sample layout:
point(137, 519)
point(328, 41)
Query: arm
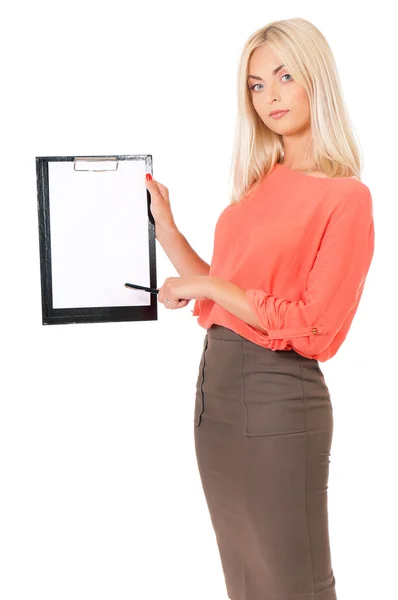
point(233, 299)
point(184, 258)
point(334, 285)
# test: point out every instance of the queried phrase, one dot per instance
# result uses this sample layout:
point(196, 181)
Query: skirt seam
point(243, 392)
point(306, 469)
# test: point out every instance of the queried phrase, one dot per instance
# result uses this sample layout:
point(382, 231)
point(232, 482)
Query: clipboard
point(96, 232)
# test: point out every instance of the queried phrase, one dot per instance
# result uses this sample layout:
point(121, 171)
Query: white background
point(100, 492)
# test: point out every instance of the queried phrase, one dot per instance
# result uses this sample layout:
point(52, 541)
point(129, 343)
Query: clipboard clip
point(110, 161)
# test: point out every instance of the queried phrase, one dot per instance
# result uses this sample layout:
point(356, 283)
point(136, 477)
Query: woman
point(291, 254)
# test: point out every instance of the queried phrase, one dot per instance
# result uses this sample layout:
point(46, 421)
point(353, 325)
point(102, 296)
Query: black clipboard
point(96, 232)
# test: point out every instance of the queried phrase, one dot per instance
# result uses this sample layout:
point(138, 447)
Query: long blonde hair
point(309, 59)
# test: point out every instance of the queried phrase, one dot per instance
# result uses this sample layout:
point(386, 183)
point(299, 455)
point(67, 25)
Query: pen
point(142, 287)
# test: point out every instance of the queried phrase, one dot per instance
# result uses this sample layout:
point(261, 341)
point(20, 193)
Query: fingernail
point(148, 177)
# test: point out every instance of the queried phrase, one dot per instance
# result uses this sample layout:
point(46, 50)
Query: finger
point(174, 303)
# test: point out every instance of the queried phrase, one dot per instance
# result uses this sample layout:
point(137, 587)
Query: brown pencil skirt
point(263, 425)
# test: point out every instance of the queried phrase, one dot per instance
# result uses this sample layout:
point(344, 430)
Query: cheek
point(258, 105)
point(261, 107)
point(299, 102)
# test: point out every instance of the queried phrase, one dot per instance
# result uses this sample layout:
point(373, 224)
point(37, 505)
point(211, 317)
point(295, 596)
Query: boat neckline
point(300, 174)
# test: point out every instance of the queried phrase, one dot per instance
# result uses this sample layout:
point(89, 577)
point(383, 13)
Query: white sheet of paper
point(99, 235)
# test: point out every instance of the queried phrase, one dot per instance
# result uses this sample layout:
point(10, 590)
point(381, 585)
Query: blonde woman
point(291, 254)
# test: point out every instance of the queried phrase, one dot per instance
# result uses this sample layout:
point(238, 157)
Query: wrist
point(164, 232)
point(211, 287)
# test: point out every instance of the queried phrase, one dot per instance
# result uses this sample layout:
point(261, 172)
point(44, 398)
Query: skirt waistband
point(224, 333)
point(219, 332)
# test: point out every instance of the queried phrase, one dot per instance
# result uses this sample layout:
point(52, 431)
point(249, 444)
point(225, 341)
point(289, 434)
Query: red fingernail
point(148, 177)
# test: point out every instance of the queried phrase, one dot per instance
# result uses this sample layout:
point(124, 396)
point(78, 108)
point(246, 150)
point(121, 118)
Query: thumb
point(151, 184)
point(148, 180)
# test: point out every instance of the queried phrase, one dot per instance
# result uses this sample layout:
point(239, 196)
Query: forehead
point(263, 62)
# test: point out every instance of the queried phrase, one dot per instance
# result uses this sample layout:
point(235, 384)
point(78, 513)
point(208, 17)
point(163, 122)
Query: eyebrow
point(274, 72)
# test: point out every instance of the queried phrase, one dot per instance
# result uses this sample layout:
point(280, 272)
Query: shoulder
point(349, 198)
point(349, 189)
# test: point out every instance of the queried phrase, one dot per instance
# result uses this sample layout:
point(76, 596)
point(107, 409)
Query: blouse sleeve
point(334, 286)
point(196, 308)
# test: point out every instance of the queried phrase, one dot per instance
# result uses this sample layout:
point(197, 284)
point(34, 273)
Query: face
point(277, 91)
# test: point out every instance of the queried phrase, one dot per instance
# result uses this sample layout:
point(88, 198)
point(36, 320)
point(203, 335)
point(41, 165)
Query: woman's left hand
point(180, 290)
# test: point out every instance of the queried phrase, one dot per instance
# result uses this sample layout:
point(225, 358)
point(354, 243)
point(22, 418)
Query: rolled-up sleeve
point(334, 285)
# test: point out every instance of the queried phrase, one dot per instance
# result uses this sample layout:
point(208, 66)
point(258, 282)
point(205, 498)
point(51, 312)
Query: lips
point(277, 112)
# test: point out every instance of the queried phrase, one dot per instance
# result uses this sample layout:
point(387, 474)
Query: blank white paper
point(99, 235)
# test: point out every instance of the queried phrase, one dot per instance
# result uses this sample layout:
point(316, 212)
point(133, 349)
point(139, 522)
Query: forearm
point(233, 299)
point(183, 257)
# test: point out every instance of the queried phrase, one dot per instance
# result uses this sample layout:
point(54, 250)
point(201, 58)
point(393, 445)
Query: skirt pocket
point(199, 402)
point(272, 394)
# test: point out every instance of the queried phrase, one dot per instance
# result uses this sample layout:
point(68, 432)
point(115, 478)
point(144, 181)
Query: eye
point(253, 86)
point(286, 75)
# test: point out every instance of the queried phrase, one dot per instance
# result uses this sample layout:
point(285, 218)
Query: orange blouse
point(301, 247)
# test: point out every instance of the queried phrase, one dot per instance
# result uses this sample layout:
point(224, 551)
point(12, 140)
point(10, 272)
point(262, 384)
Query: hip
point(263, 392)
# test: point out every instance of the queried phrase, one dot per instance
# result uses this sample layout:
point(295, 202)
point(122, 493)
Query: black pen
point(142, 287)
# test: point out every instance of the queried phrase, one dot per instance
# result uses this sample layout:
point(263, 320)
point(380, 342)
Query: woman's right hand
point(160, 206)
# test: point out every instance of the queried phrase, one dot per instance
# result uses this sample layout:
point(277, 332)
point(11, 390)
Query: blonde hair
point(309, 59)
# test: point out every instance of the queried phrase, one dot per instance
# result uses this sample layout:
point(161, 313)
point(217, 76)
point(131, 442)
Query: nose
point(273, 94)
